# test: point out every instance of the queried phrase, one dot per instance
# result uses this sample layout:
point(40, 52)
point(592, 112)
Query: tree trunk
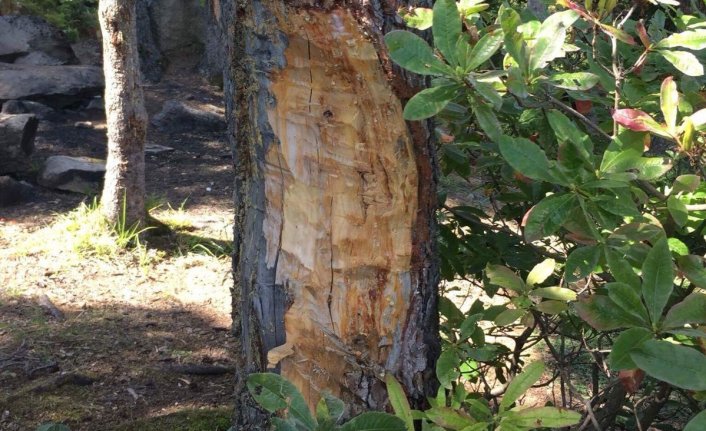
point(335, 194)
point(124, 189)
point(17, 134)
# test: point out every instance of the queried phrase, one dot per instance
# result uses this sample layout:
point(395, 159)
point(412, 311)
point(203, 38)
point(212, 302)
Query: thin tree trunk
point(335, 195)
point(124, 190)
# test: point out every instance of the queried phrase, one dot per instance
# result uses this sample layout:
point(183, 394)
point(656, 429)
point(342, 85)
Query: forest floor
point(117, 350)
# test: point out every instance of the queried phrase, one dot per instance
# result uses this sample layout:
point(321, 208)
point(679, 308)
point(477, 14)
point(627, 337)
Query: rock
point(17, 134)
point(56, 86)
point(27, 107)
point(180, 117)
point(178, 25)
point(13, 192)
point(97, 104)
point(33, 41)
point(150, 56)
point(74, 174)
point(155, 149)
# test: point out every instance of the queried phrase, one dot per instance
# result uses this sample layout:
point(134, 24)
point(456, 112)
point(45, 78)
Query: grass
point(187, 420)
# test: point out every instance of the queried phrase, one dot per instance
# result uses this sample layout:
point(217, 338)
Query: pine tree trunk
point(335, 194)
point(124, 189)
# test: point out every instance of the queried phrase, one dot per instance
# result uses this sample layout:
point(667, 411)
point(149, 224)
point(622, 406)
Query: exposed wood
point(17, 133)
point(124, 189)
point(335, 196)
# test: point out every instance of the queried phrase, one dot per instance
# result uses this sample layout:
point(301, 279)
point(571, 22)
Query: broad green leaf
point(514, 41)
point(625, 297)
point(480, 426)
point(446, 29)
point(449, 418)
point(413, 53)
point(695, 40)
point(657, 279)
point(651, 168)
point(692, 310)
point(669, 102)
point(698, 118)
point(677, 246)
point(677, 210)
point(548, 215)
point(684, 61)
point(429, 102)
point(680, 366)
point(581, 262)
point(281, 425)
point(418, 17)
point(618, 33)
point(578, 81)
point(602, 313)
point(447, 368)
point(541, 272)
point(504, 277)
point(469, 325)
point(697, 423)
point(399, 402)
point(488, 121)
point(273, 392)
point(521, 383)
point(526, 157)
point(508, 317)
point(618, 204)
point(487, 92)
point(329, 408)
point(549, 43)
point(686, 183)
point(554, 292)
point(627, 341)
point(552, 307)
point(546, 417)
point(374, 421)
point(485, 48)
point(565, 129)
point(621, 270)
point(693, 269)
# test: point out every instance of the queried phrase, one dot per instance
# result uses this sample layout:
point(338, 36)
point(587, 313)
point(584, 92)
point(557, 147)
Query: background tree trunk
point(335, 194)
point(126, 117)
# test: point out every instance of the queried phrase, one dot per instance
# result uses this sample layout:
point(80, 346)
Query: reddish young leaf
point(631, 379)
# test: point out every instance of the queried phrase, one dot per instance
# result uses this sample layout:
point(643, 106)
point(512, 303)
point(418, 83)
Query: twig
point(568, 109)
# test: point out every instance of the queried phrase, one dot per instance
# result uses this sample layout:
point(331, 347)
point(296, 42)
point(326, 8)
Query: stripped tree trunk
point(124, 189)
point(335, 194)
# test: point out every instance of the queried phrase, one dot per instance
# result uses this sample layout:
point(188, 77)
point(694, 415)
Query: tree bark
point(335, 195)
point(124, 189)
point(17, 134)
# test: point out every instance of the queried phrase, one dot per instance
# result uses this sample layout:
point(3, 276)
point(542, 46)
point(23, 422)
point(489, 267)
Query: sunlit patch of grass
point(177, 219)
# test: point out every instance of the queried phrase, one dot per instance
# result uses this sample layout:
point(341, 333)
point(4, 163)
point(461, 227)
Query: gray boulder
point(177, 116)
point(13, 192)
point(56, 86)
point(33, 41)
point(73, 174)
point(17, 134)
point(26, 107)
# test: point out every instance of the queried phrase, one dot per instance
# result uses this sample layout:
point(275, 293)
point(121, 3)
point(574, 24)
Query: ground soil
point(111, 362)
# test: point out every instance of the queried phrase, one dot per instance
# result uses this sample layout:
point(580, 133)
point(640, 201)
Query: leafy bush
point(77, 18)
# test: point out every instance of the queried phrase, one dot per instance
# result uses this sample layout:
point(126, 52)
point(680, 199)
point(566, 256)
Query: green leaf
point(578, 81)
point(552, 307)
point(488, 121)
point(526, 157)
point(508, 317)
point(469, 326)
point(502, 276)
point(549, 43)
point(658, 279)
point(581, 263)
point(697, 423)
point(565, 129)
point(449, 418)
point(693, 269)
point(374, 421)
point(541, 272)
point(273, 392)
point(684, 61)
point(677, 210)
point(695, 40)
point(548, 216)
point(413, 53)
point(554, 292)
point(418, 17)
point(546, 417)
point(692, 310)
point(447, 368)
point(487, 92)
point(429, 102)
point(521, 383)
point(446, 29)
point(651, 168)
point(485, 48)
point(481, 426)
point(602, 313)
point(627, 341)
point(686, 183)
point(680, 366)
point(625, 297)
point(669, 102)
point(334, 406)
point(399, 402)
point(514, 42)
